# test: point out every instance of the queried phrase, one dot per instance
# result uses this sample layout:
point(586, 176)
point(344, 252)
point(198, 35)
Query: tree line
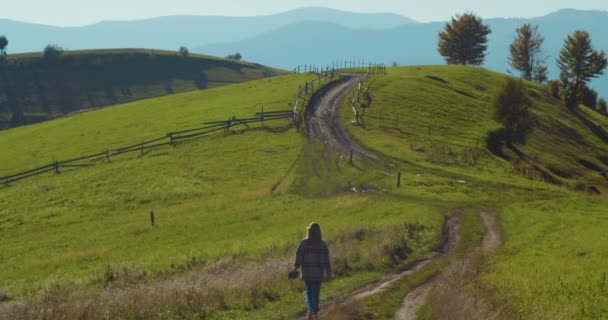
point(464, 41)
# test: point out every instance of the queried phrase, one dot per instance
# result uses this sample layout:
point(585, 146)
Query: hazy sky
point(79, 12)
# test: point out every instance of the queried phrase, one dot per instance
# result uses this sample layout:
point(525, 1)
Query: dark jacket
point(313, 257)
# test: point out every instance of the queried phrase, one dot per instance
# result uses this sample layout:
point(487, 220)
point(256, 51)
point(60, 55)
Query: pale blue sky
point(80, 12)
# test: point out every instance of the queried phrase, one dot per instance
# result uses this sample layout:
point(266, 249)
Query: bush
point(589, 98)
point(4, 295)
point(511, 110)
point(554, 86)
point(602, 107)
point(184, 52)
point(237, 56)
point(53, 51)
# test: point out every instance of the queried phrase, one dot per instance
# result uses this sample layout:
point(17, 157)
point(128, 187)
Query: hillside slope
point(443, 114)
point(35, 88)
point(552, 262)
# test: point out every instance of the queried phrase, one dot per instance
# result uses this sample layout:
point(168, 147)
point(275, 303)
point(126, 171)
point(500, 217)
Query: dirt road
point(323, 117)
point(323, 124)
point(418, 297)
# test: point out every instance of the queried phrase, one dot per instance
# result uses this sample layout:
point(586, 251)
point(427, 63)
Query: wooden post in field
point(142, 148)
point(152, 218)
point(56, 167)
point(108, 155)
point(399, 180)
point(171, 140)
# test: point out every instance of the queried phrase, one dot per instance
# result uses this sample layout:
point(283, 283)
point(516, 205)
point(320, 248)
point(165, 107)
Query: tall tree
point(578, 63)
point(526, 53)
point(464, 40)
point(3, 45)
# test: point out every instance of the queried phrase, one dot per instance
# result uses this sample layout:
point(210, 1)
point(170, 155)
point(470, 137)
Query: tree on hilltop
point(578, 63)
point(52, 51)
point(526, 54)
point(184, 52)
point(3, 45)
point(464, 40)
point(237, 56)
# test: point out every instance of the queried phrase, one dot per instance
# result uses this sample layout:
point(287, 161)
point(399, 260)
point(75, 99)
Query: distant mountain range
point(308, 36)
point(169, 33)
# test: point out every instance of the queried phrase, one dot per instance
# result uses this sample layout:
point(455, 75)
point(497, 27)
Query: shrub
point(589, 98)
point(237, 56)
point(3, 295)
point(53, 51)
point(184, 52)
point(511, 110)
point(601, 106)
point(554, 86)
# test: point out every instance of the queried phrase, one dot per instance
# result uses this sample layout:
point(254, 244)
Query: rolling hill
point(35, 88)
point(231, 207)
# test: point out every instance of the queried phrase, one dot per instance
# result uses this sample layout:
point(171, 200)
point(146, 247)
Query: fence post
point(56, 167)
point(171, 139)
point(399, 180)
point(152, 218)
point(108, 155)
point(142, 148)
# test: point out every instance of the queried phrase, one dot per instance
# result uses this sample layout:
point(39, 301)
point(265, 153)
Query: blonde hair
point(314, 232)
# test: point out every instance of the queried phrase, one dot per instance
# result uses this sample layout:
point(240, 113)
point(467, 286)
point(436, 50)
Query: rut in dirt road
point(450, 240)
point(418, 297)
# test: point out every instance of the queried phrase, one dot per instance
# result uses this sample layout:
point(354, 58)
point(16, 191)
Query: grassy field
point(553, 262)
point(231, 207)
point(36, 89)
point(222, 204)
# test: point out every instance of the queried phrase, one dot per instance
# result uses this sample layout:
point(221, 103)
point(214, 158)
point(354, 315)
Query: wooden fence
point(172, 138)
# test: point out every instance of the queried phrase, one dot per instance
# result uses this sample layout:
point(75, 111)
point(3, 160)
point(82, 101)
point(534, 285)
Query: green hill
point(34, 88)
point(436, 119)
point(221, 203)
point(230, 207)
point(441, 116)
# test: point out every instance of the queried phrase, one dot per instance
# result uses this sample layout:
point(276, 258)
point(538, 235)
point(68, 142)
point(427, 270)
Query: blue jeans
point(312, 291)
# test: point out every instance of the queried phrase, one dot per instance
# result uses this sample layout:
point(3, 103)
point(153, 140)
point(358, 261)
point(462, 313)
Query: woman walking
point(313, 256)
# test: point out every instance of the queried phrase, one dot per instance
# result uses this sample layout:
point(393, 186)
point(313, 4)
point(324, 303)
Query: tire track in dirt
point(418, 297)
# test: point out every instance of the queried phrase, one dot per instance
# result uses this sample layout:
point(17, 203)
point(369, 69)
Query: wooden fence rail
point(172, 137)
point(168, 139)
